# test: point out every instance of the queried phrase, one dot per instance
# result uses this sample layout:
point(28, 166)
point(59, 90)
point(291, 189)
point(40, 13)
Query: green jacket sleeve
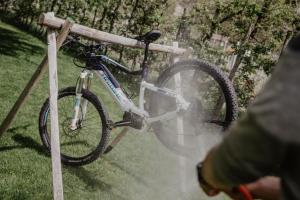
point(246, 154)
point(258, 142)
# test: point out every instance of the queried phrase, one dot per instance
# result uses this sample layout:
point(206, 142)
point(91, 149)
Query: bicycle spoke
point(79, 142)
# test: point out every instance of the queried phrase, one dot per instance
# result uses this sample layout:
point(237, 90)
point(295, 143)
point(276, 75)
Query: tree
point(258, 30)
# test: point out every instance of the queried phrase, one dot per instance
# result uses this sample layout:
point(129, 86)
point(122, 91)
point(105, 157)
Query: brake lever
point(70, 39)
point(73, 37)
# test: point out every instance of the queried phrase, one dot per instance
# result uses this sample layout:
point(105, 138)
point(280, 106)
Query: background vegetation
point(258, 30)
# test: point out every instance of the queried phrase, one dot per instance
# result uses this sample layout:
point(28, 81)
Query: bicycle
point(80, 109)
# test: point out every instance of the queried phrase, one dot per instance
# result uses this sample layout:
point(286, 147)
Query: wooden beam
point(36, 77)
point(117, 139)
point(54, 22)
point(55, 144)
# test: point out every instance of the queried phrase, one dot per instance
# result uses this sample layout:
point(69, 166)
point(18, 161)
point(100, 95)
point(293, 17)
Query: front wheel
point(88, 141)
point(213, 106)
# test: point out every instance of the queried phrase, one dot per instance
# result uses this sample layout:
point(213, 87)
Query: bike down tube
point(118, 95)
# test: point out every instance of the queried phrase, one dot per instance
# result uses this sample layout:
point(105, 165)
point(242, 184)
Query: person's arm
point(244, 156)
point(257, 144)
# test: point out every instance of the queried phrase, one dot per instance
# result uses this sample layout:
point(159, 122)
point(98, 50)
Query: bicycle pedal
point(110, 124)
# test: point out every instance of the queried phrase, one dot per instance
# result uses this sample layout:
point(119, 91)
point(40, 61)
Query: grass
point(138, 168)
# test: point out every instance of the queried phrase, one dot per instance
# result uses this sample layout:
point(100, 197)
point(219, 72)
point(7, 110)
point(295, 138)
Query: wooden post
point(117, 139)
point(100, 36)
point(180, 130)
point(55, 144)
point(36, 77)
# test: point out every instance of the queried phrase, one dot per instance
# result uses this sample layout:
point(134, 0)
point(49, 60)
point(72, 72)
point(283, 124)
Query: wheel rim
point(202, 123)
point(80, 143)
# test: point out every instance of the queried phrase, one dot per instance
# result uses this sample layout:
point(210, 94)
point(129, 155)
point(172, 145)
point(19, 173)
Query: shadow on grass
point(18, 128)
point(24, 141)
point(127, 171)
point(28, 142)
point(12, 43)
point(92, 182)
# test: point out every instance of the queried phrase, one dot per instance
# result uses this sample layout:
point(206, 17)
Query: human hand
point(266, 188)
point(206, 187)
point(239, 193)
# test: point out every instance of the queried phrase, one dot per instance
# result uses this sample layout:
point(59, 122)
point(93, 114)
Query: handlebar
point(90, 52)
point(87, 48)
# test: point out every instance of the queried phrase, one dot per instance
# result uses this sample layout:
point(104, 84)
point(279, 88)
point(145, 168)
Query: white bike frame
point(122, 100)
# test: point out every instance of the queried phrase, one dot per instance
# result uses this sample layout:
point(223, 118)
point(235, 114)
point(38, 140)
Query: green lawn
point(139, 168)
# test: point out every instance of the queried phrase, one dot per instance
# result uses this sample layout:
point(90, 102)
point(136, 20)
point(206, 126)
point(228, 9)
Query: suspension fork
point(84, 82)
point(87, 86)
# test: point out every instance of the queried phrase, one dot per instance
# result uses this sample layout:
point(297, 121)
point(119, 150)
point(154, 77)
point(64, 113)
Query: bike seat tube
point(145, 62)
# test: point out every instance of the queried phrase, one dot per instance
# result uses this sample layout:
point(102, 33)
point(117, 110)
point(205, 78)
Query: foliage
point(258, 29)
point(128, 17)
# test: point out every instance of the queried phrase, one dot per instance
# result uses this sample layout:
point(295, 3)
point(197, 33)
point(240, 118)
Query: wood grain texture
point(54, 22)
point(54, 128)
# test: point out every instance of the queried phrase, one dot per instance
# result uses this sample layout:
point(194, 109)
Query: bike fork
point(80, 106)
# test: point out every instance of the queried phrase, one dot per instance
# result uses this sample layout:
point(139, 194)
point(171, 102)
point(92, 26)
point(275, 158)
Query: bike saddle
point(149, 37)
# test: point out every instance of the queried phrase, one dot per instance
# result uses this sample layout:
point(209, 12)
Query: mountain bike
point(193, 91)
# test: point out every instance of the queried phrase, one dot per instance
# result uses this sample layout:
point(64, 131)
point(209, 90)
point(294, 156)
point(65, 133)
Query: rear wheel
point(213, 106)
point(84, 144)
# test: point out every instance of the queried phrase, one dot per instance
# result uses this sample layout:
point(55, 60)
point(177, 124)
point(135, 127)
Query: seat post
point(147, 38)
point(144, 65)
